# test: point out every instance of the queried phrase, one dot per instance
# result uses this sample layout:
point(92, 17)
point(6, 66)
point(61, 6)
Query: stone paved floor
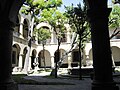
point(77, 84)
point(84, 84)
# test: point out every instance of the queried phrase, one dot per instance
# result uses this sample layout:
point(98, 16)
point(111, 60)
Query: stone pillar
point(84, 58)
point(68, 37)
point(102, 62)
point(8, 14)
point(20, 62)
point(36, 40)
point(6, 36)
point(52, 37)
point(29, 64)
point(21, 27)
point(69, 61)
point(52, 62)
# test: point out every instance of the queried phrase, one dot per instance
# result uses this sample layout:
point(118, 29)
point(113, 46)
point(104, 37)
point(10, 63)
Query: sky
point(68, 3)
point(75, 2)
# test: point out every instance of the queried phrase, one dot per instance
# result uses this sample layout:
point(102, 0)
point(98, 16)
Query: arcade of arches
point(103, 79)
point(46, 58)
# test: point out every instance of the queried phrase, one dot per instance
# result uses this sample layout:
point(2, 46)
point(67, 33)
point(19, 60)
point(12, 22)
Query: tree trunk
point(26, 65)
point(44, 57)
point(80, 71)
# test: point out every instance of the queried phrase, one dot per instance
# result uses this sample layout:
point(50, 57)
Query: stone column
point(102, 62)
point(8, 14)
point(52, 62)
point(21, 27)
point(69, 61)
point(29, 64)
point(36, 40)
point(68, 37)
point(6, 36)
point(84, 58)
point(20, 62)
point(52, 36)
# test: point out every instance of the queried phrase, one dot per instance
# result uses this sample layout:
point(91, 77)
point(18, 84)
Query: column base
point(8, 86)
point(104, 86)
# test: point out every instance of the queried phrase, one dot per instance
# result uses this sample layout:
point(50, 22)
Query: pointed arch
point(25, 28)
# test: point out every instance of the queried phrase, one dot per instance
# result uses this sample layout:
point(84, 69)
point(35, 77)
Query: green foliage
point(56, 19)
point(115, 17)
point(25, 10)
point(52, 16)
point(43, 9)
point(36, 6)
point(42, 34)
point(77, 19)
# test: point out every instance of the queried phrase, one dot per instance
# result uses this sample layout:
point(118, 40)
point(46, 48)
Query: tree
point(42, 35)
point(114, 20)
point(116, 1)
point(57, 20)
point(34, 8)
point(114, 23)
point(77, 19)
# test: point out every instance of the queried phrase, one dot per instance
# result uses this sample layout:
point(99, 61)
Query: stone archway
point(25, 29)
point(33, 57)
point(47, 57)
point(15, 55)
point(62, 52)
point(75, 58)
point(63, 57)
point(47, 41)
point(9, 10)
point(116, 55)
point(16, 31)
point(24, 55)
point(89, 60)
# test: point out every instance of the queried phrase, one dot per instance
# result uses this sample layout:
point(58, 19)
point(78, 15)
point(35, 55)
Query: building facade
point(20, 48)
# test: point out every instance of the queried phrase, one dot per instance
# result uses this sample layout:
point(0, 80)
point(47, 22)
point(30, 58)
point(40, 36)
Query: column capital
point(21, 54)
point(21, 23)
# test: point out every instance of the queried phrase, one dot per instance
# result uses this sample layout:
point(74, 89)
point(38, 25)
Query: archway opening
point(24, 55)
point(44, 59)
point(33, 58)
point(15, 55)
point(25, 29)
point(116, 55)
